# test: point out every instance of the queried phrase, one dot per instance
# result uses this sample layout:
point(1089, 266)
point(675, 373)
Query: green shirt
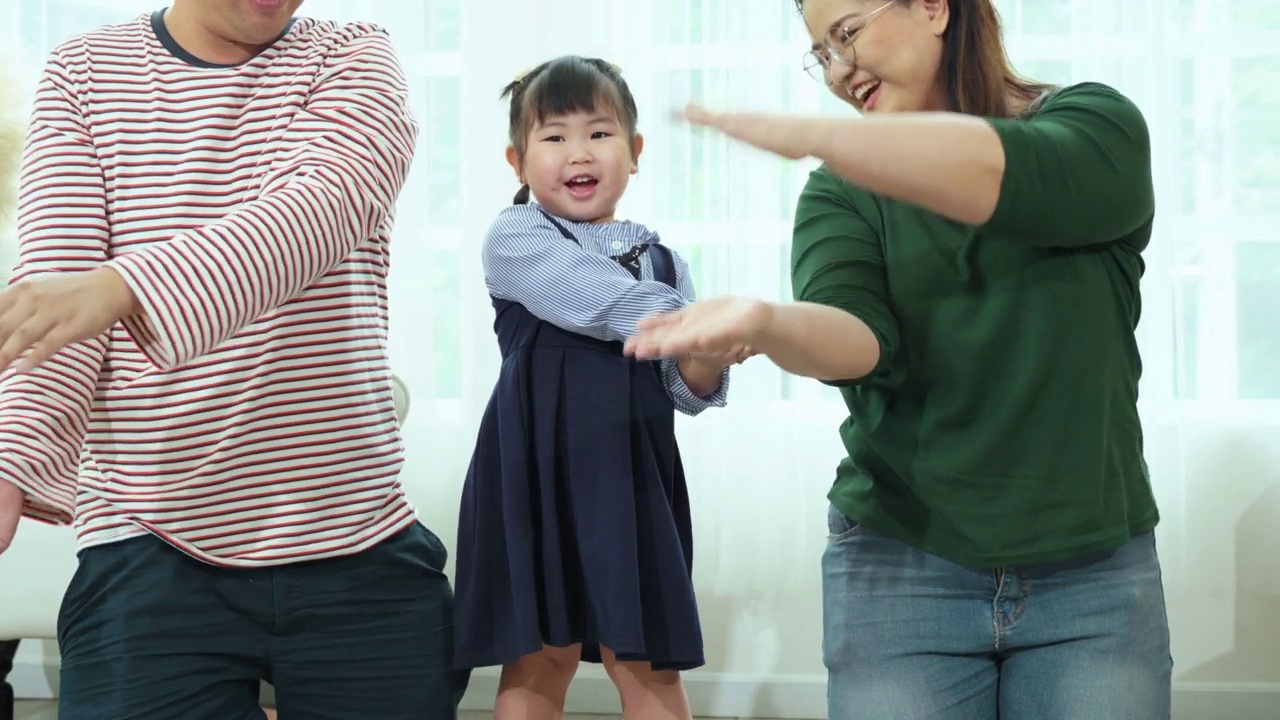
point(1001, 424)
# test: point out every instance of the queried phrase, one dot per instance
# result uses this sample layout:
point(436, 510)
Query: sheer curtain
point(1207, 75)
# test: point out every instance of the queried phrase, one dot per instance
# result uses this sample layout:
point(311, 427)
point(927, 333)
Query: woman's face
point(881, 56)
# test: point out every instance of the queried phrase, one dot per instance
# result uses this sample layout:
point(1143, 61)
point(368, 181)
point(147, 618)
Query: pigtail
point(522, 196)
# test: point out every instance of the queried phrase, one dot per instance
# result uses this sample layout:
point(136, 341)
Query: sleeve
point(526, 260)
point(1078, 172)
point(334, 184)
point(837, 260)
point(685, 400)
point(62, 227)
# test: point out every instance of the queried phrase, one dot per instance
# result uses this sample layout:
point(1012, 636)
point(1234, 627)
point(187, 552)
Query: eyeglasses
point(839, 45)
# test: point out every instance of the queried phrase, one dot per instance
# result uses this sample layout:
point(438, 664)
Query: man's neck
point(196, 38)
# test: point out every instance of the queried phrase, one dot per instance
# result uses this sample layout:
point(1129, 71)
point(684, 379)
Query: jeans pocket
point(841, 526)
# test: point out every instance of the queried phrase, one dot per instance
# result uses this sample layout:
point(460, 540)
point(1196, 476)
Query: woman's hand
point(725, 328)
point(790, 137)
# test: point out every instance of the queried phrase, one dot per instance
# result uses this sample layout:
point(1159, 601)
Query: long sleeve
point(837, 260)
point(62, 227)
point(526, 260)
point(333, 186)
point(1078, 172)
point(685, 400)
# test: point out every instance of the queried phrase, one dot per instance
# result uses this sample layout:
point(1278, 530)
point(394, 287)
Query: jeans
point(910, 636)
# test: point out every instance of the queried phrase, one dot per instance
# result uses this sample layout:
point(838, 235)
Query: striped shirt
point(247, 418)
point(579, 288)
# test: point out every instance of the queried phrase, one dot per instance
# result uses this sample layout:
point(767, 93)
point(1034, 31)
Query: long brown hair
point(976, 73)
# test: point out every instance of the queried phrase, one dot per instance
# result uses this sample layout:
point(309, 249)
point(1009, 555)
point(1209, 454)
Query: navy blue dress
point(575, 522)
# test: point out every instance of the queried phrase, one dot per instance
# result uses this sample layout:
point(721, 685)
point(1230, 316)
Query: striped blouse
point(579, 288)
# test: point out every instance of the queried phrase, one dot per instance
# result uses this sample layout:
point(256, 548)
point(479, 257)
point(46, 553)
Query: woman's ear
point(637, 147)
point(939, 12)
point(513, 159)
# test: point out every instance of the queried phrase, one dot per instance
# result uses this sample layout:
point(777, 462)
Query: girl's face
point(578, 165)
point(881, 56)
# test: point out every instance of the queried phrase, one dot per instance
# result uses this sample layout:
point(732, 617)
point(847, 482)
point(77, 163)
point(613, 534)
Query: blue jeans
point(908, 635)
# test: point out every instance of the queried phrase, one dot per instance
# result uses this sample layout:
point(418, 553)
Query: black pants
point(8, 648)
point(149, 633)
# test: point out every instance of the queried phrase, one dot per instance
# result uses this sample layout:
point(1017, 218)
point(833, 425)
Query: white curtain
point(1207, 74)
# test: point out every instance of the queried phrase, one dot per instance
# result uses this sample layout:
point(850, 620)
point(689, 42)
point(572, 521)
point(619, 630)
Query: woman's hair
point(562, 86)
point(976, 72)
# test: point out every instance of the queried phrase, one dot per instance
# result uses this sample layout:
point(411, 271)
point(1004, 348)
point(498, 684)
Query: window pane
point(1258, 320)
point(1255, 135)
point(1186, 339)
point(442, 131)
point(1254, 15)
point(445, 356)
point(444, 25)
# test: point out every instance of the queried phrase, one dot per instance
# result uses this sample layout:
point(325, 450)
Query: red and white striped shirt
point(248, 418)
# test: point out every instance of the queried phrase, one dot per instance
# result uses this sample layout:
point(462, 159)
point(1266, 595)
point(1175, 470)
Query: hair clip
point(520, 76)
point(616, 68)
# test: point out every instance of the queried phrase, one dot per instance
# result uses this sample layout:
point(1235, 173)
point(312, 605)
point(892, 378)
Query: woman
point(965, 267)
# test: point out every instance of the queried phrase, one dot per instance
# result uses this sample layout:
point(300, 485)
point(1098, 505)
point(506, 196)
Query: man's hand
point(11, 500)
point(41, 316)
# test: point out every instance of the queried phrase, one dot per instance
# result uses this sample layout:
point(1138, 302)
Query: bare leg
point(647, 694)
point(533, 688)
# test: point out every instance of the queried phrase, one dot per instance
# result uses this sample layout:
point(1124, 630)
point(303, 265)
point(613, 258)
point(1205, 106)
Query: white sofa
point(36, 570)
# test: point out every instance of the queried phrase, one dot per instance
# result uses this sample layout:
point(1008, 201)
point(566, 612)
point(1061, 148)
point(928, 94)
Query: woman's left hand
point(790, 137)
point(727, 327)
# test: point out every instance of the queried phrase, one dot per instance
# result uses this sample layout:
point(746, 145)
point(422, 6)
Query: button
point(617, 245)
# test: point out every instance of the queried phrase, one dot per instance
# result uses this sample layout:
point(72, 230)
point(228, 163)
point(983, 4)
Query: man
point(199, 326)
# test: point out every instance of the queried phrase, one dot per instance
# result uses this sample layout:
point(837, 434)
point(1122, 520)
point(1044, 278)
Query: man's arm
point(342, 165)
point(62, 228)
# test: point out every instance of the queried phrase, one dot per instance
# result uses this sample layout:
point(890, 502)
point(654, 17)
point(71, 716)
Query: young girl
point(574, 538)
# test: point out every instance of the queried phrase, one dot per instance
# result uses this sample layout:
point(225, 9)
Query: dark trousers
point(149, 633)
point(8, 648)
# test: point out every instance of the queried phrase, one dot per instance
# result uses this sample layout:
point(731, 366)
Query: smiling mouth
point(582, 186)
point(864, 90)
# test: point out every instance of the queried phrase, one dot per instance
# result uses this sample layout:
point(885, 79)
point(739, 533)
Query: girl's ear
point(513, 159)
point(637, 147)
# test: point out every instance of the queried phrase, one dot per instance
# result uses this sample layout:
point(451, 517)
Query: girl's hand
point(723, 327)
point(790, 137)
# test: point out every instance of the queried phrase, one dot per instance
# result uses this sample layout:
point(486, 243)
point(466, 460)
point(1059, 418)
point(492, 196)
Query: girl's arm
point(1077, 173)
point(694, 383)
point(526, 260)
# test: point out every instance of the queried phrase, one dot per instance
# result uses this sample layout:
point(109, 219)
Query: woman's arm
point(1077, 173)
point(819, 341)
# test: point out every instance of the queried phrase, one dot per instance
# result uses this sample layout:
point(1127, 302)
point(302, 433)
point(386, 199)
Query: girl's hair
point(978, 77)
point(562, 86)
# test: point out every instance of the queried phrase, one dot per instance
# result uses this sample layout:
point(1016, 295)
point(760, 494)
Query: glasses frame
point(839, 46)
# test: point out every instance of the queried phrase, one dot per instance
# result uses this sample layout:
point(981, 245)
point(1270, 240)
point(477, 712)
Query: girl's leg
point(533, 687)
point(647, 694)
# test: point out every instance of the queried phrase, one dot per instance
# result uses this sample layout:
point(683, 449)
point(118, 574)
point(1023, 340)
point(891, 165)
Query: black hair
point(562, 86)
